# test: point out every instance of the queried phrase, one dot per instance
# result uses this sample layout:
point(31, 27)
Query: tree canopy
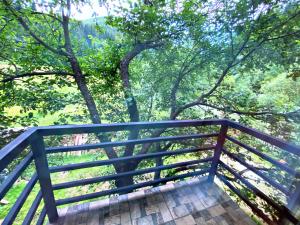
point(150, 60)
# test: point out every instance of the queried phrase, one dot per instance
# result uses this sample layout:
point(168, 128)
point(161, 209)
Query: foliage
point(152, 60)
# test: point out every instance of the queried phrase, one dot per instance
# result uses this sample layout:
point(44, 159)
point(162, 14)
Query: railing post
point(217, 153)
point(294, 199)
point(42, 169)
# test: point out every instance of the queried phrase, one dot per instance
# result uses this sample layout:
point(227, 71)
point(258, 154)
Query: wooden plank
point(120, 159)
point(127, 142)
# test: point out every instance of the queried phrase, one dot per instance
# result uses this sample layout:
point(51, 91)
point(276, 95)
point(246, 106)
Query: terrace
point(198, 198)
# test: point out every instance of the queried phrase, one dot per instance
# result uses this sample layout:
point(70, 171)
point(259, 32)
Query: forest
point(148, 60)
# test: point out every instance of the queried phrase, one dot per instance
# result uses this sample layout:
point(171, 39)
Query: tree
point(203, 45)
point(59, 46)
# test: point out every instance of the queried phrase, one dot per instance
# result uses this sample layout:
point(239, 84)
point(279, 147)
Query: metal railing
point(34, 138)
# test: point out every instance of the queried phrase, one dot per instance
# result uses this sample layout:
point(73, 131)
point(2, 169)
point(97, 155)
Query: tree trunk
point(127, 180)
point(131, 103)
point(158, 161)
point(83, 88)
point(130, 99)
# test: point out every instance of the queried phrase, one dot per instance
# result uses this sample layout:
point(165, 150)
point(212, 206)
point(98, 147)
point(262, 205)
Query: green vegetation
point(148, 61)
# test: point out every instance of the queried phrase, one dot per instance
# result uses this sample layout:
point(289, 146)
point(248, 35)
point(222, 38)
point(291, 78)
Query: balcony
point(192, 192)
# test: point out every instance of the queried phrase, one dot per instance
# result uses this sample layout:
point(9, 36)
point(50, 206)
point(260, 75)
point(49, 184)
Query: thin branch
point(240, 112)
point(232, 64)
point(32, 74)
point(5, 25)
point(32, 34)
point(184, 70)
point(11, 62)
point(49, 15)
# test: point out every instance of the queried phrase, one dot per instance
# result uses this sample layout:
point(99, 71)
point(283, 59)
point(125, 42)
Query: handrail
point(125, 174)
point(253, 207)
point(127, 158)
point(267, 138)
point(258, 192)
point(99, 128)
point(256, 171)
point(266, 157)
point(10, 151)
point(38, 154)
point(127, 142)
point(128, 188)
point(10, 180)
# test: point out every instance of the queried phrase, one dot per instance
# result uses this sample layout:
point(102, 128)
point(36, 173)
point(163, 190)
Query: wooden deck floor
point(183, 203)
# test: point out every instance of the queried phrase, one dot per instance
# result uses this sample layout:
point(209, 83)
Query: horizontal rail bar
point(254, 170)
point(266, 157)
point(280, 208)
point(131, 173)
point(120, 159)
point(9, 152)
point(14, 175)
point(265, 137)
point(127, 142)
point(128, 188)
point(42, 217)
point(11, 216)
point(97, 128)
point(33, 208)
point(246, 200)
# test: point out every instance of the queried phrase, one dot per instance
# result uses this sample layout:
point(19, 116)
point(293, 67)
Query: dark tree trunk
point(130, 99)
point(82, 85)
point(131, 103)
point(94, 113)
point(128, 180)
point(158, 161)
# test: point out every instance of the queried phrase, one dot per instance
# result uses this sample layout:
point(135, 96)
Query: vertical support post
point(42, 169)
point(294, 199)
point(217, 153)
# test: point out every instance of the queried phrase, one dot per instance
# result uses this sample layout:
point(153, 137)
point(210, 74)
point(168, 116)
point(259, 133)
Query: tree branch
point(266, 37)
point(130, 99)
point(32, 74)
point(184, 70)
point(5, 25)
point(11, 62)
point(47, 14)
point(32, 34)
point(239, 112)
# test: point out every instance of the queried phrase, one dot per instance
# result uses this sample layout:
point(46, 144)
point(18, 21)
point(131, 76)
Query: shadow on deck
point(182, 203)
